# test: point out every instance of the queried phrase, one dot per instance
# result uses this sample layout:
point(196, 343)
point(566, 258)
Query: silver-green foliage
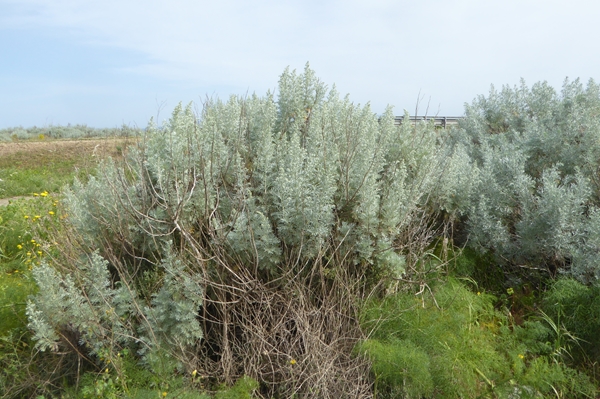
point(267, 178)
point(533, 157)
point(252, 188)
point(102, 315)
point(92, 307)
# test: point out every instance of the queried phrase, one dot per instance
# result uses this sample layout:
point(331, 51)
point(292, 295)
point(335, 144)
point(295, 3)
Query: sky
point(110, 63)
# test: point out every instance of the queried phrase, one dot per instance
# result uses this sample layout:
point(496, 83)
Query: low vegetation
point(30, 166)
point(301, 246)
point(76, 132)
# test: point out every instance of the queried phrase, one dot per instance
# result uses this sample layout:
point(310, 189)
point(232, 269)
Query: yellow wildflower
point(19, 246)
point(50, 213)
point(164, 394)
point(44, 194)
point(521, 356)
point(194, 373)
point(293, 361)
point(26, 217)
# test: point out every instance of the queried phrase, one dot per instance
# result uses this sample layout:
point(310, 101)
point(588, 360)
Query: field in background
point(28, 166)
point(65, 132)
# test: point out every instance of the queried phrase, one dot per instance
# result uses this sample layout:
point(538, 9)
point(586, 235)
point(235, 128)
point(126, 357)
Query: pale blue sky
point(112, 62)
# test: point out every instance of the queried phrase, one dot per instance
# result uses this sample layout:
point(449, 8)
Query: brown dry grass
point(32, 152)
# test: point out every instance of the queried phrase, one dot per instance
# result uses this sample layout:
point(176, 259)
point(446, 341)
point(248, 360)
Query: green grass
point(14, 290)
point(48, 165)
point(23, 235)
point(454, 343)
point(26, 181)
point(24, 227)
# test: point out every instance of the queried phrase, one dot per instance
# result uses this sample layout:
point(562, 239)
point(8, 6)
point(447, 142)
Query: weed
point(465, 347)
point(575, 307)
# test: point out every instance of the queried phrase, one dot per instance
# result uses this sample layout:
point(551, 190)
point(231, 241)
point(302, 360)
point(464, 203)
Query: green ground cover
point(24, 242)
point(27, 167)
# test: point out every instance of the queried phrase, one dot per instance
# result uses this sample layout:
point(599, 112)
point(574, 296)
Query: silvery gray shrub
point(252, 188)
point(533, 155)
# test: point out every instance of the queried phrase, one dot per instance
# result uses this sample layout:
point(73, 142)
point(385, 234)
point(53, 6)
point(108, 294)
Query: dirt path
point(5, 201)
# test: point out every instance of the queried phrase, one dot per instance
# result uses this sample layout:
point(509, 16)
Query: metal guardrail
point(442, 121)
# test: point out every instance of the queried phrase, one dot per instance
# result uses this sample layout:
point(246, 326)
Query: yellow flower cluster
point(30, 248)
point(35, 218)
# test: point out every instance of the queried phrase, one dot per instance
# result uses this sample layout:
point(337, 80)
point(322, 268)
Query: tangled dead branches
point(296, 339)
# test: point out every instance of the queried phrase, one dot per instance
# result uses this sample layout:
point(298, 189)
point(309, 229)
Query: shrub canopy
point(534, 158)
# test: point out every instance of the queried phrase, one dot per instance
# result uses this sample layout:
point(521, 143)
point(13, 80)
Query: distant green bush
point(65, 132)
